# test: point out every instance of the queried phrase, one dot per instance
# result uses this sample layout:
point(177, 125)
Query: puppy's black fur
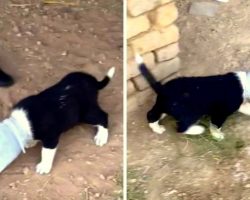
point(71, 101)
point(187, 99)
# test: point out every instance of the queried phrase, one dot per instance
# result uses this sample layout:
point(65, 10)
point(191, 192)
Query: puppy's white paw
point(217, 135)
point(195, 130)
point(157, 128)
point(43, 168)
point(160, 129)
point(101, 137)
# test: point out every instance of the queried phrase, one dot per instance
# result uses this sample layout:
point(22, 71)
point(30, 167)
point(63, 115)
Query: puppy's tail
point(107, 78)
point(147, 74)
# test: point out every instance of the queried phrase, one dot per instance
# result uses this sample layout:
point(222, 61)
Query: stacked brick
point(151, 32)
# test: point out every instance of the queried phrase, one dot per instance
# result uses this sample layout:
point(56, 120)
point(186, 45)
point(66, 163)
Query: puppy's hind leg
point(154, 116)
point(216, 132)
point(98, 118)
point(195, 130)
point(189, 128)
point(216, 122)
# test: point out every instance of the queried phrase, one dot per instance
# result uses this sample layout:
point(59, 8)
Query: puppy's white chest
point(245, 83)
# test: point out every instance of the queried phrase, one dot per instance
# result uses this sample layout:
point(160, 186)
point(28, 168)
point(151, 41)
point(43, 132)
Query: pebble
point(80, 178)
point(247, 186)
point(97, 195)
point(25, 170)
point(29, 33)
point(166, 194)
point(45, 17)
point(88, 163)
point(69, 160)
point(16, 29)
point(102, 177)
point(12, 185)
point(64, 53)
point(132, 180)
point(204, 8)
point(224, 1)
point(110, 177)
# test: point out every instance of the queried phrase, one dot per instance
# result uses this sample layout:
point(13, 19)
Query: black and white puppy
point(45, 116)
point(187, 99)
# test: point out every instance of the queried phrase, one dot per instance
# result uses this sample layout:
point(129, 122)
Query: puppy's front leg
point(245, 108)
point(154, 116)
point(46, 163)
point(156, 127)
point(101, 137)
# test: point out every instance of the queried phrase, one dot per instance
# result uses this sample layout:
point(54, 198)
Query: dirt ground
point(176, 167)
point(39, 44)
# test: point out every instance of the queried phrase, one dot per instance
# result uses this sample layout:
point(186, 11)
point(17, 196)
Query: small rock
point(166, 194)
point(204, 8)
point(45, 17)
point(224, 1)
point(88, 163)
point(39, 43)
point(26, 10)
point(12, 185)
point(29, 33)
point(132, 180)
point(65, 53)
point(25, 170)
point(46, 28)
point(110, 178)
point(69, 160)
point(80, 178)
point(19, 35)
point(97, 195)
point(247, 186)
point(16, 29)
point(102, 177)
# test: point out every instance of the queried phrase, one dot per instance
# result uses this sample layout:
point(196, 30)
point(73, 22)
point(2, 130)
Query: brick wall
point(152, 33)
